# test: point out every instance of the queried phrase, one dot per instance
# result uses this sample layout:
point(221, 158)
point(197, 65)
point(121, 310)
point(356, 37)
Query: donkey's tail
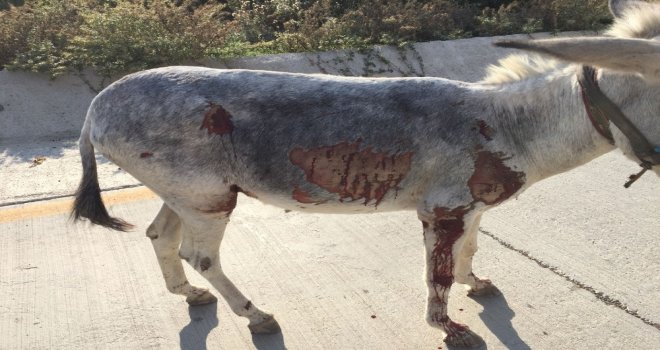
point(88, 203)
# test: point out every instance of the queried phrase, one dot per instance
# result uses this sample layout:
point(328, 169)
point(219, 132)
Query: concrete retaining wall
point(34, 107)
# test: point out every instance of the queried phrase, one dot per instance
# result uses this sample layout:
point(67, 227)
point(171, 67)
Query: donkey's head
point(628, 58)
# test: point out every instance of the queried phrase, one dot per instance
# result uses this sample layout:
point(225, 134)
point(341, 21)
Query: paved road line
point(48, 198)
point(48, 208)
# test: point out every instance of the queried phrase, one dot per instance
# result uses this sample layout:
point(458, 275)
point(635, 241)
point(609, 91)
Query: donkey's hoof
point(268, 326)
point(490, 290)
point(202, 298)
point(484, 288)
point(464, 338)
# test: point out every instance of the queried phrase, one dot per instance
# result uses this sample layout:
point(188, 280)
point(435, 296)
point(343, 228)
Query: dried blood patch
point(448, 228)
point(302, 196)
point(492, 182)
point(205, 264)
point(352, 173)
point(452, 328)
point(217, 121)
point(486, 131)
point(224, 205)
point(146, 154)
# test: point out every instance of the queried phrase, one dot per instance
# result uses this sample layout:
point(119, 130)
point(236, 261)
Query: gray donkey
point(449, 150)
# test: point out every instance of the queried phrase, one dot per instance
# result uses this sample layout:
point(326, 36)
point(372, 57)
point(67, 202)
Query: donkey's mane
point(518, 67)
point(637, 22)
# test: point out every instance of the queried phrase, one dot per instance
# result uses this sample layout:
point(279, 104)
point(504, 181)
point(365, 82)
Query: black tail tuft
point(88, 203)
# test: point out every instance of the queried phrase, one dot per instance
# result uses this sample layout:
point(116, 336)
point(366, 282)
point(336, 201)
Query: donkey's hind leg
point(165, 234)
point(202, 235)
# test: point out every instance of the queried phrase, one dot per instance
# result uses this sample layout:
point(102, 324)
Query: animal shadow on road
point(202, 320)
point(497, 316)
point(269, 341)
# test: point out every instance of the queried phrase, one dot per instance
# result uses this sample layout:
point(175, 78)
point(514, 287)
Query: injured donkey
point(449, 150)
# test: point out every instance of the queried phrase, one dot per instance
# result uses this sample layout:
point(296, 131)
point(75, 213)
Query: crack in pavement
point(606, 299)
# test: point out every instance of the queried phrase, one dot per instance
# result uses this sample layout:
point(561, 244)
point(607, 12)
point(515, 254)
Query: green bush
point(34, 37)
point(129, 37)
point(536, 15)
point(111, 37)
point(119, 36)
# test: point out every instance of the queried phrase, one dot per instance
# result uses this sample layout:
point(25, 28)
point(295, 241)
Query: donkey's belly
point(331, 205)
point(339, 183)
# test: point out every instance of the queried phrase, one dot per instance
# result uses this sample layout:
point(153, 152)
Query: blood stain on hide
point(205, 264)
point(485, 130)
point(493, 182)
point(225, 205)
point(453, 328)
point(448, 228)
point(146, 155)
point(352, 173)
point(217, 121)
point(302, 196)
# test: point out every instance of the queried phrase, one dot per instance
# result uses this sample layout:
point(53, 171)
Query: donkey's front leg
point(444, 235)
point(463, 270)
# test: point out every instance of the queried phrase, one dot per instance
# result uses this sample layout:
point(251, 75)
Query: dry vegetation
point(120, 36)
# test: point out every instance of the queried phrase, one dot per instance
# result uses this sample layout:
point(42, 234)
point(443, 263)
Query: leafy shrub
point(34, 37)
point(297, 25)
point(112, 37)
point(537, 15)
point(129, 37)
point(120, 36)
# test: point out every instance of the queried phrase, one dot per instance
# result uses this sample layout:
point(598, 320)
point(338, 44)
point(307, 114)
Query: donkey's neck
point(544, 122)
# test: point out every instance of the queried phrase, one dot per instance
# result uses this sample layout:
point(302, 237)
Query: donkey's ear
point(626, 55)
point(619, 7)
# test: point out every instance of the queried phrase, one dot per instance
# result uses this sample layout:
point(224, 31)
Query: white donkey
point(448, 149)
